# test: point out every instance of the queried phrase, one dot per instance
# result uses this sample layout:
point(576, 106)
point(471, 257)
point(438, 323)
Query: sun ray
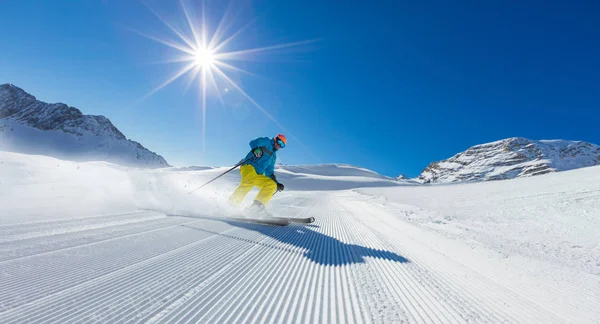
point(204, 27)
point(203, 109)
point(168, 43)
point(233, 36)
point(187, 58)
point(238, 55)
point(220, 28)
point(235, 68)
point(238, 88)
point(190, 24)
point(264, 111)
point(171, 79)
point(192, 78)
point(171, 27)
point(214, 82)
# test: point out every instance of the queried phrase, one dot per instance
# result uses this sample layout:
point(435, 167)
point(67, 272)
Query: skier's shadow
point(315, 246)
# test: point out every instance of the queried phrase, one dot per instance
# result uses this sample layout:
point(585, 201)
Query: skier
point(258, 170)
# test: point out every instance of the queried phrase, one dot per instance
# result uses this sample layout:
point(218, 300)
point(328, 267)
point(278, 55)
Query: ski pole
point(222, 174)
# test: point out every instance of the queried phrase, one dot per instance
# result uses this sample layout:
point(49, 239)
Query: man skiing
point(258, 170)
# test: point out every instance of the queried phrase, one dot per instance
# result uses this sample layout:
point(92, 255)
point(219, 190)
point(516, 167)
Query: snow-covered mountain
point(28, 125)
point(512, 158)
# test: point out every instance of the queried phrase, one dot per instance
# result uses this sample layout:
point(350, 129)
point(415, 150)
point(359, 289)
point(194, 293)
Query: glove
point(280, 186)
point(258, 152)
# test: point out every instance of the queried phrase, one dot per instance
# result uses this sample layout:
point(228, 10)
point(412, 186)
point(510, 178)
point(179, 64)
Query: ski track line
point(548, 314)
point(433, 274)
point(393, 275)
point(428, 289)
point(355, 271)
point(152, 277)
point(106, 289)
point(523, 293)
point(167, 268)
point(245, 314)
point(284, 274)
point(423, 293)
point(136, 302)
point(234, 300)
point(182, 291)
point(345, 233)
point(358, 304)
point(273, 246)
point(360, 274)
point(281, 269)
point(315, 268)
point(199, 306)
point(335, 223)
point(339, 231)
point(231, 287)
point(352, 273)
point(351, 305)
point(47, 294)
point(327, 271)
point(300, 288)
point(379, 291)
point(280, 275)
point(14, 261)
point(55, 244)
point(294, 286)
point(56, 276)
point(26, 227)
point(334, 289)
point(286, 289)
point(67, 230)
point(311, 312)
point(307, 285)
point(457, 287)
point(321, 303)
point(206, 295)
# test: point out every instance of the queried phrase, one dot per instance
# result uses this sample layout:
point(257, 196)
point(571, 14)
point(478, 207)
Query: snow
point(98, 242)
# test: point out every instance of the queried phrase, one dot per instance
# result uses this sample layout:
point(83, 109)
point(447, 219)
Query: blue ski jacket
point(265, 164)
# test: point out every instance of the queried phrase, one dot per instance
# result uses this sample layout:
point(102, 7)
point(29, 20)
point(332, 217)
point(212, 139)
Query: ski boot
point(258, 210)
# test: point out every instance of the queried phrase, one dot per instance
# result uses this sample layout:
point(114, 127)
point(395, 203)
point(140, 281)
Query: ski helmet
point(282, 138)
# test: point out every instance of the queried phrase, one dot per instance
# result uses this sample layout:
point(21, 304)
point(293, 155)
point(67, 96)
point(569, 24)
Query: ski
point(299, 220)
point(264, 221)
point(269, 220)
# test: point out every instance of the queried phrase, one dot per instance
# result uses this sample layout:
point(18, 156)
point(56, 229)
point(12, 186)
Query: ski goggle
point(280, 142)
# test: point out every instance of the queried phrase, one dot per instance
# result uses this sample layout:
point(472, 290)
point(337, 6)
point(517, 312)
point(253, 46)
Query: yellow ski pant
point(249, 180)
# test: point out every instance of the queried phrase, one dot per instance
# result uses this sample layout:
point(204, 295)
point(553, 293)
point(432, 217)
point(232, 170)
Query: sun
point(208, 56)
point(204, 58)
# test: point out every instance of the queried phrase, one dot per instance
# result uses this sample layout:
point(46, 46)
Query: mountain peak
point(28, 125)
point(512, 158)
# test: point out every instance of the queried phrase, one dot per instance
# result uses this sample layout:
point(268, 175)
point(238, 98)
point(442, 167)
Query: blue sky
point(388, 85)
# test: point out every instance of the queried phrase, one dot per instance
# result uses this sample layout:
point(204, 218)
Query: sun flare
point(204, 57)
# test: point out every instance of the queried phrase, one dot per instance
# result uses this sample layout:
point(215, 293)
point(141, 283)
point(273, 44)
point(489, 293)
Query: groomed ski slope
point(94, 242)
